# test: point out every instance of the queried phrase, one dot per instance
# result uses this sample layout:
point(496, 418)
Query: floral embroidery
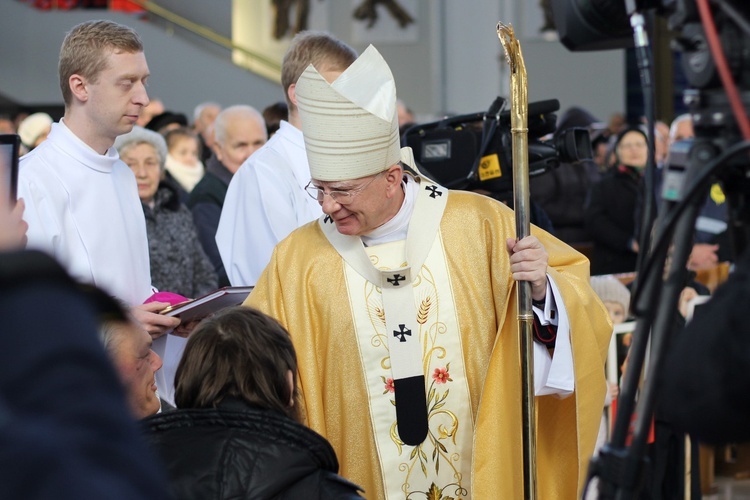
point(441, 376)
point(435, 468)
point(389, 387)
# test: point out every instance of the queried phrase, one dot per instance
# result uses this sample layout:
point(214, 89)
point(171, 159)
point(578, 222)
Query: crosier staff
point(519, 132)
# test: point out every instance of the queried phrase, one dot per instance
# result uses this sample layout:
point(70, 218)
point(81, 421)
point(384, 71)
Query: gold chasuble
point(464, 306)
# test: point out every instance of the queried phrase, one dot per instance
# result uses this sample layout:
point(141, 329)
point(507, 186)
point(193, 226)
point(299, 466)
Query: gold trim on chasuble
point(439, 467)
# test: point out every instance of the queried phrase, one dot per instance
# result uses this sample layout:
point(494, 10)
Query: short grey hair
point(232, 113)
point(111, 326)
point(109, 332)
point(140, 135)
point(685, 117)
point(200, 107)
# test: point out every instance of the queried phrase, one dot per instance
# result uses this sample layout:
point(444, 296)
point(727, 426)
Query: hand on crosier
point(528, 262)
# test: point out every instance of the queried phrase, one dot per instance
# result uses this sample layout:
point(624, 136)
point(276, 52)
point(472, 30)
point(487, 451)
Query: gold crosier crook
point(519, 132)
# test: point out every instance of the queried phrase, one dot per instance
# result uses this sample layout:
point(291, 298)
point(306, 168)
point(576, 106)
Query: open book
point(209, 303)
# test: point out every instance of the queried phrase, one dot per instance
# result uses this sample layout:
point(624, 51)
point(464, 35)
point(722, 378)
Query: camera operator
point(561, 192)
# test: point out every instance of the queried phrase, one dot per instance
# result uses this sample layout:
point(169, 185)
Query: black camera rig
point(474, 151)
point(714, 39)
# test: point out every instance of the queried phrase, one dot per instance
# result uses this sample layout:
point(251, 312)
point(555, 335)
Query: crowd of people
point(377, 353)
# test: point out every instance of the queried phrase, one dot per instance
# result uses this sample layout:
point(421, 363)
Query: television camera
point(473, 151)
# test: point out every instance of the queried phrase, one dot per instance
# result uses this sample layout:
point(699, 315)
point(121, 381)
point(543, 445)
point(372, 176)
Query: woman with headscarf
point(613, 207)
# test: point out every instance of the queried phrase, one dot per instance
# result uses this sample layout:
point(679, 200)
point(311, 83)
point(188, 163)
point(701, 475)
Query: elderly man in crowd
point(400, 302)
point(129, 348)
point(238, 132)
point(204, 116)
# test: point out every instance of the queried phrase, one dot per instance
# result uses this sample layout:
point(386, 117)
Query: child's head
point(183, 145)
point(238, 353)
point(614, 294)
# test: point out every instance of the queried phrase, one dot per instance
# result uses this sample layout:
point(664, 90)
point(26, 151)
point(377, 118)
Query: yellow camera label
point(489, 168)
point(717, 194)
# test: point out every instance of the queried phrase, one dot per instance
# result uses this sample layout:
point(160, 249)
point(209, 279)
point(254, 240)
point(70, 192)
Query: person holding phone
point(12, 226)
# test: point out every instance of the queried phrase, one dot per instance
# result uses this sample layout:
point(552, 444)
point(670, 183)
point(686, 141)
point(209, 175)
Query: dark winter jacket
point(178, 262)
point(562, 191)
point(206, 201)
point(65, 429)
point(611, 214)
point(238, 451)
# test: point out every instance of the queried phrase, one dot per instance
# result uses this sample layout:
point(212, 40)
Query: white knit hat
point(350, 126)
point(611, 289)
point(32, 127)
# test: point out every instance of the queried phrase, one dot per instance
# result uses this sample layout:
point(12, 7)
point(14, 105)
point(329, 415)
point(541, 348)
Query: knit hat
point(610, 289)
point(32, 127)
point(166, 118)
point(350, 126)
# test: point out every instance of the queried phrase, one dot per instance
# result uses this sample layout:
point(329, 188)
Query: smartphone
point(10, 146)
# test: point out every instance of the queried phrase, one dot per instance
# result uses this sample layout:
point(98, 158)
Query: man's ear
point(78, 87)
point(292, 94)
point(393, 177)
point(217, 151)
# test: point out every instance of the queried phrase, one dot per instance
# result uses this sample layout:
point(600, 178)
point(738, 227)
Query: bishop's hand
point(528, 262)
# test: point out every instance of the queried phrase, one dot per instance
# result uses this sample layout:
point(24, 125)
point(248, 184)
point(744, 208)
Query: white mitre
point(350, 126)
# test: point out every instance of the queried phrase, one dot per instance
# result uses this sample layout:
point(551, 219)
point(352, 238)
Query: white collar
point(82, 152)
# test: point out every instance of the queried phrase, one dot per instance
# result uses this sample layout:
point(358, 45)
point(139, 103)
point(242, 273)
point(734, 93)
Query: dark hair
point(238, 353)
point(273, 114)
point(158, 122)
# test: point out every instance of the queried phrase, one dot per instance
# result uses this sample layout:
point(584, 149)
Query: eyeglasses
point(340, 197)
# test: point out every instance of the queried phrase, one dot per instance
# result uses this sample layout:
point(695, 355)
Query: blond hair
point(84, 48)
point(321, 50)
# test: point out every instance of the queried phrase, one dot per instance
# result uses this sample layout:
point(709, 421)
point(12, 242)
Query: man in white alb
point(82, 202)
point(266, 199)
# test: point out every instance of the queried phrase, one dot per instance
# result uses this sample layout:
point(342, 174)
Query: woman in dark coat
point(235, 434)
point(178, 262)
point(614, 206)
